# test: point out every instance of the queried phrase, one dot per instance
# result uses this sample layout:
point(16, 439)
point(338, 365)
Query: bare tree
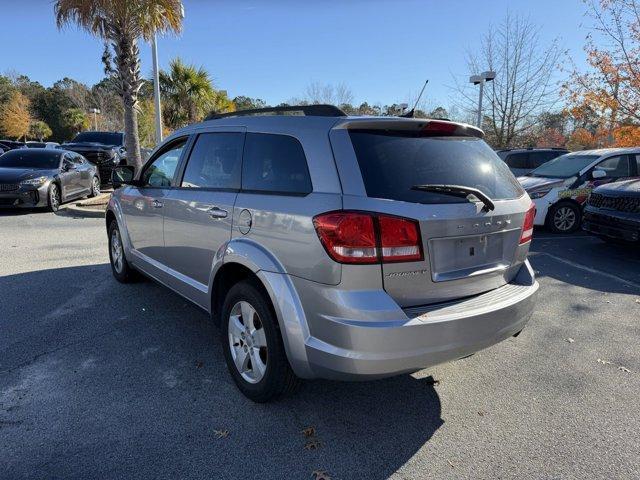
point(339, 94)
point(525, 83)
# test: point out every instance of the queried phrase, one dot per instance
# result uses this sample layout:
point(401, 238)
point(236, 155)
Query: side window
point(615, 167)
point(275, 163)
point(77, 159)
point(215, 161)
point(159, 173)
point(517, 160)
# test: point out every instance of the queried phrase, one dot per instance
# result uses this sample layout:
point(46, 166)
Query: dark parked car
point(523, 160)
point(104, 149)
point(38, 177)
point(613, 211)
point(11, 144)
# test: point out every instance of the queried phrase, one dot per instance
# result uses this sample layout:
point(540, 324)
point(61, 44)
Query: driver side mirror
point(597, 173)
point(123, 175)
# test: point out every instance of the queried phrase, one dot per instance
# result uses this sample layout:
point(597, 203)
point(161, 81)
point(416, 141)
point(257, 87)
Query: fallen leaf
point(452, 465)
point(481, 413)
point(199, 364)
point(637, 300)
point(570, 340)
point(308, 431)
point(607, 301)
point(313, 445)
point(604, 362)
point(320, 475)
point(221, 433)
point(624, 369)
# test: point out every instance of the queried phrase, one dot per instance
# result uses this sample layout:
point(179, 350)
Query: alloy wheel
point(564, 218)
point(96, 186)
point(117, 254)
point(247, 342)
point(54, 197)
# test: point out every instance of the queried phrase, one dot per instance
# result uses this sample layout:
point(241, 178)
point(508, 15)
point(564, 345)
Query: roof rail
point(320, 110)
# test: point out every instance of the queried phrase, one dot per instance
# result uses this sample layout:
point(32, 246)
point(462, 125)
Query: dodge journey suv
point(329, 246)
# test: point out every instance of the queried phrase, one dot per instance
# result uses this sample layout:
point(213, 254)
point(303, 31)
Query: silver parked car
point(331, 246)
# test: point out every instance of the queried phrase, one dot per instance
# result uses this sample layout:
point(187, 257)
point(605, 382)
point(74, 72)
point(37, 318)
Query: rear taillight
point(527, 226)
point(361, 237)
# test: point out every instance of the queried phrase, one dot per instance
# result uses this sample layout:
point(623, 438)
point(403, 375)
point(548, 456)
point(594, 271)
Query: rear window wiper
point(457, 191)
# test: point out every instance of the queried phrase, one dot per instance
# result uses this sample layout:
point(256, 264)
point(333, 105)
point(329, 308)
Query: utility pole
point(156, 89)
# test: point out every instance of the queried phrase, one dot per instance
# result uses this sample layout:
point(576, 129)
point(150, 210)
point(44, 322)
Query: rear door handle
point(216, 212)
point(157, 204)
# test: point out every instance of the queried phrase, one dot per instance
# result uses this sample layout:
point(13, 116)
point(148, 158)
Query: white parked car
point(560, 188)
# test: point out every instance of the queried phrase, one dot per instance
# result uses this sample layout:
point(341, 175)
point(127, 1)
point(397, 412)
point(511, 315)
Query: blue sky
point(382, 49)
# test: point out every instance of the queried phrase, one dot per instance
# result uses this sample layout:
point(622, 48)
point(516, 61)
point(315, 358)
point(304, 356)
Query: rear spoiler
point(433, 127)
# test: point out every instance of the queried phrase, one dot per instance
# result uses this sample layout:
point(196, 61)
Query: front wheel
point(95, 187)
point(54, 199)
point(564, 218)
point(252, 345)
point(120, 268)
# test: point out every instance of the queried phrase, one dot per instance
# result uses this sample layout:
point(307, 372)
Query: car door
point(84, 173)
point(69, 177)
point(143, 206)
point(199, 210)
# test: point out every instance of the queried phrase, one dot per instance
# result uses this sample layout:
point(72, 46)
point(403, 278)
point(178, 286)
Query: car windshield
point(564, 166)
point(25, 158)
point(105, 138)
point(392, 162)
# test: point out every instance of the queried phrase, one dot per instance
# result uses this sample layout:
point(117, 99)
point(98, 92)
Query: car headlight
point(35, 182)
point(538, 194)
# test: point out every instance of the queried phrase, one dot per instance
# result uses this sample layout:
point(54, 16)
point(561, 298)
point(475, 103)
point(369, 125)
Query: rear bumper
point(623, 226)
point(419, 337)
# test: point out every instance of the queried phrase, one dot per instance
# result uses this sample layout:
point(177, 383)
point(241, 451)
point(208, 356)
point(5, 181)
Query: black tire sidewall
point(49, 195)
point(270, 385)
point(552, 211)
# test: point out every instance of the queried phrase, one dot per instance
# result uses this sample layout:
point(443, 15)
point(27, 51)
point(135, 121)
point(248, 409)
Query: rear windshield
point(392, 162)
point(25, 158)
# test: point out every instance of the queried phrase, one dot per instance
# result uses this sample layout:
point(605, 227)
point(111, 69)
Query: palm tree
point(120, 23)
point(188, 91)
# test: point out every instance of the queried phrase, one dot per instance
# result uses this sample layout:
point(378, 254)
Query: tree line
point(538, 98)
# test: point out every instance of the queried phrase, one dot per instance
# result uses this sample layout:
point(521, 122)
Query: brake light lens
point(365, 238)
point(399, 239)
point(527, 226)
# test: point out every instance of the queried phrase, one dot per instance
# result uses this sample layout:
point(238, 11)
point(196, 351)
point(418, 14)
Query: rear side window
point(392, 162)
point(215, 161)
point(539, 158)
point(518, 160)
point(275, 164)
point(616, 167)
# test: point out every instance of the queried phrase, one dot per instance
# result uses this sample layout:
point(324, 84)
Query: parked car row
point(561, 187)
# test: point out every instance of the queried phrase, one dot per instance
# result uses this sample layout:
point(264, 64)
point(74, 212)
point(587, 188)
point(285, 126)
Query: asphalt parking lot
point(102, 380)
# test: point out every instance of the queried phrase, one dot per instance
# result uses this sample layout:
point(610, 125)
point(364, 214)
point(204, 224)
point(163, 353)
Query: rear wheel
point(120, 268)
point(252, 345)
point(54, 197)
point(564, 218)
point(95, 187)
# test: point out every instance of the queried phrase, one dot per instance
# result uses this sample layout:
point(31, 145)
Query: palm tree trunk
point(127, 60)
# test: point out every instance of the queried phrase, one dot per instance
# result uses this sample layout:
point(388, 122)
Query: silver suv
point(329, 246)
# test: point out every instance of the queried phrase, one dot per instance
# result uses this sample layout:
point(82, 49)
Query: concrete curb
point(85, 212)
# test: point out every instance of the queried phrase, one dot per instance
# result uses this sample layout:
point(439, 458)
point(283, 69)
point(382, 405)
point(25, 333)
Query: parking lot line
point(588, 269)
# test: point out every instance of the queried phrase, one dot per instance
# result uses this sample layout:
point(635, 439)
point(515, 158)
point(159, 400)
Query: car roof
point(600, 152)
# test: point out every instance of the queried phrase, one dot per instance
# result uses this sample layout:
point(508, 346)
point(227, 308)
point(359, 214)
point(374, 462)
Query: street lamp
point(96, 112)
point(480, 80)
point(156, 82)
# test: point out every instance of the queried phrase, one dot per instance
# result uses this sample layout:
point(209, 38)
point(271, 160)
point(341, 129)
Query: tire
point(259, 351)
point(95, 187)
point(122, 271)
point(54, 197)
point(564, 217)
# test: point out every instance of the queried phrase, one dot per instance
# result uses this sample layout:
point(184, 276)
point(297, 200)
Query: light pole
point(480, 80)
point(96, 112)
point(156, 82)
point(156, 89)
